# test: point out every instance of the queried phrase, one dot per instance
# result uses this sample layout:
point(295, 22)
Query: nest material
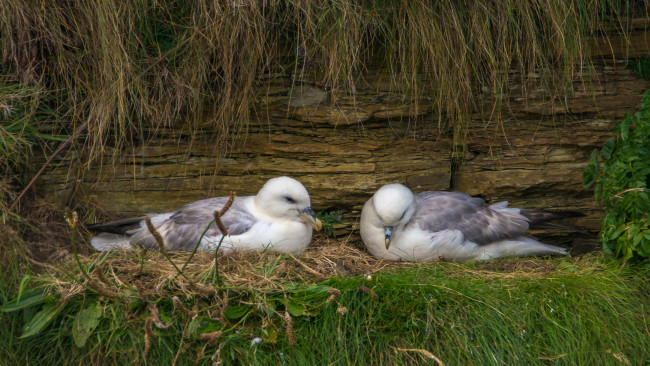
point(151, 271)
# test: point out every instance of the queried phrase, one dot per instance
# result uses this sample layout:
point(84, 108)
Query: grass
point(135, 69)
point(586, 310)
point(132, 71)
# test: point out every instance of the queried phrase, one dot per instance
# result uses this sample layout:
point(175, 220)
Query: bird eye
point(289, 199)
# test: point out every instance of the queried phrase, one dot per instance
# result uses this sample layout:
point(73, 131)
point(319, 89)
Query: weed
point(622, 185)
point(329, 219)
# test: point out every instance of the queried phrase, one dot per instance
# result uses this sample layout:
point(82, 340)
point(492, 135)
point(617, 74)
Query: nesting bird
point(278, 218)
point(398, 225)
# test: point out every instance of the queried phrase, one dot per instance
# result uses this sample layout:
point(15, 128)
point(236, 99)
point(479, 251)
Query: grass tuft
point(273, 308)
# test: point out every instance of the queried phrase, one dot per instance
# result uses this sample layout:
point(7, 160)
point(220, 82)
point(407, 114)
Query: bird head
point(286, 198)
point(394, 205)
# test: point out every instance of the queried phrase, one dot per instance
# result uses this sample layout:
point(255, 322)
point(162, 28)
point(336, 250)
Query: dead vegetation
point(153, 275)
point(130, 70)
point(150, 271)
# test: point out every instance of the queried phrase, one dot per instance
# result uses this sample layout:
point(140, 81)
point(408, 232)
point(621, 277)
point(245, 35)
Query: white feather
point(395, 206)
point(107, 241)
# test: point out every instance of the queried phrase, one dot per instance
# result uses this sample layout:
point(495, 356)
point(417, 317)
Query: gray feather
point(479, 223)
point(183, 229)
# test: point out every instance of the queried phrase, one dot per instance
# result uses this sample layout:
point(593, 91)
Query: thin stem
point(215, 277)
point(71, 218)
point(196, 247)
point(161, 244)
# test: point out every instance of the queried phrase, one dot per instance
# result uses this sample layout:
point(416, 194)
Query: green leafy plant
point(329, 219)
point(622, 182)
point(25, 118)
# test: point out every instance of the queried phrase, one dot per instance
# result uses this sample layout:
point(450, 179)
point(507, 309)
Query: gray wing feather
point(479, 223)
point(183, 229)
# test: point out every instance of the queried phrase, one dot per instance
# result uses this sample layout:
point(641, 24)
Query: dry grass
point(152, 274)
point(151, 271)
point(133, 69)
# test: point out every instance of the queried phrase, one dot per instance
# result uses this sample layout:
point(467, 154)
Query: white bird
point(398, 225)
point(279, 218)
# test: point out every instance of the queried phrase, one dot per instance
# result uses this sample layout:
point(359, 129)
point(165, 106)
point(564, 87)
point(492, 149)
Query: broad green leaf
point(567, 267)
point(41, 319)
point(85, 322)
point(608, 248)
point(315, 292)
point(23, 284)
point(647, 234)
point(644, 248)
point(628, 253)
point(135, 303)
point(235, 312)
point(591, 170)
point(295, 308)
point(618, 232)
point(589, 176)
point(608, 148)
point(32, 298)
point(210, 325)
point(625, 129)
point(203, 324)
point(594, 158)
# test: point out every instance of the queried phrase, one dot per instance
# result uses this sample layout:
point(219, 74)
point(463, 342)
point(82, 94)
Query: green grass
point(537, 311)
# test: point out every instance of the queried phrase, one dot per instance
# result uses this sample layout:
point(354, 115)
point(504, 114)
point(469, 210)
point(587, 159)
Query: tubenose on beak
point(310, 217)
point(388, 233)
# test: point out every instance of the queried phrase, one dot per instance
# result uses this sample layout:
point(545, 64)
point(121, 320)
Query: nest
point(151, 272)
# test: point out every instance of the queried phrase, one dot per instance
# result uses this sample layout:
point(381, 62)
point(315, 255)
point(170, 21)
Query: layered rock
point(529, 150)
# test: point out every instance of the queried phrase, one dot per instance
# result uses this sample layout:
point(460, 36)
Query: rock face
point(530, 151)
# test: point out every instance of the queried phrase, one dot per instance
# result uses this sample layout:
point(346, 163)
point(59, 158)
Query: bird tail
point(118, 226)
point(107, 241)
point(538, 217)
point(517, 247)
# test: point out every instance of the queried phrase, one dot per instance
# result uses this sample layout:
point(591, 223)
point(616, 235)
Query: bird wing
point(479, 223)
point(184, 227)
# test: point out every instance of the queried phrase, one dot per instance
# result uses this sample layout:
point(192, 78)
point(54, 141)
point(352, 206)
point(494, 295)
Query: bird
point(396, 224)
point(279, 217)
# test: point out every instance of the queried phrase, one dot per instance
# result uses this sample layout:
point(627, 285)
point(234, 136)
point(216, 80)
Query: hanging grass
point(130, 69)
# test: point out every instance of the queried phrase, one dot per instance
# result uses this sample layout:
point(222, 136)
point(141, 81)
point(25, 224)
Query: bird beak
point(388, 233)
point(310, 217)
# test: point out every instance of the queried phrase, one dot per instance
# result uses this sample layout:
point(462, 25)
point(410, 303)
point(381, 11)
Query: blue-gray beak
point(388, 233)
